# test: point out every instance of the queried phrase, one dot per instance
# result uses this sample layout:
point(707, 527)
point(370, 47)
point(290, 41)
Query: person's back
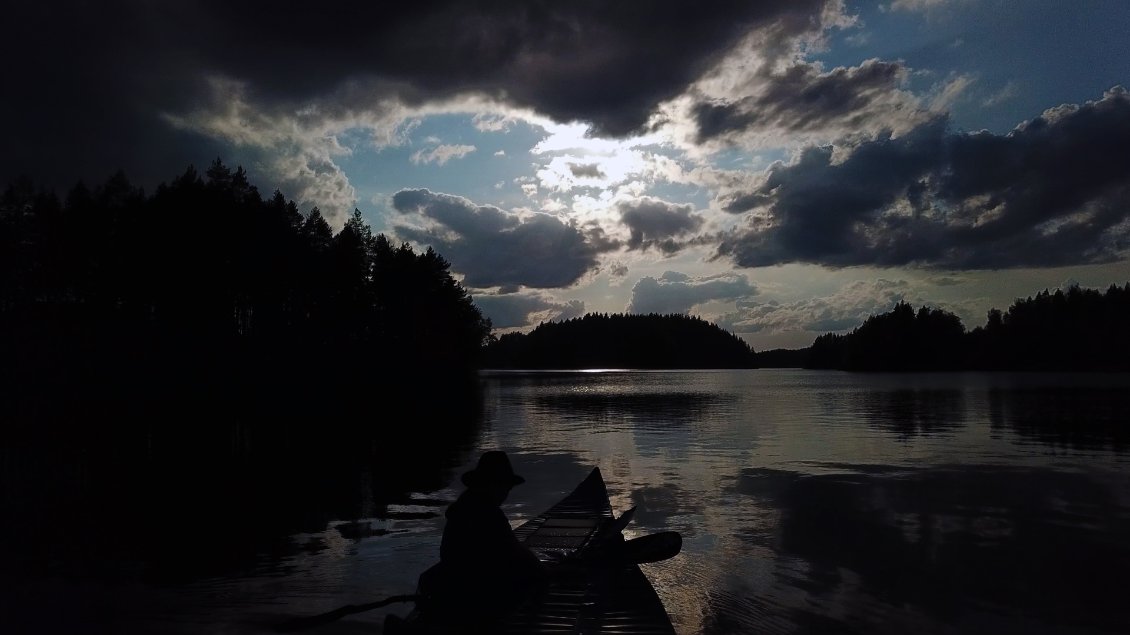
point(477, 536)
point(485, 570)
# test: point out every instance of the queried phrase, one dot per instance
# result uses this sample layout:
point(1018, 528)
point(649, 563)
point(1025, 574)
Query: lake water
point(809, 502)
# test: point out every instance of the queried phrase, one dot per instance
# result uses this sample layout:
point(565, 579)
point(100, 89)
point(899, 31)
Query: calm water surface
point(809, 502)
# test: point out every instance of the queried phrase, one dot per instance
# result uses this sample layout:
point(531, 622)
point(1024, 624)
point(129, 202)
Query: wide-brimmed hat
point(493, 469)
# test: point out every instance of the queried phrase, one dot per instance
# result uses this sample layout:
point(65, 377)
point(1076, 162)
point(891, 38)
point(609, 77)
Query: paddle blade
point(653, 548)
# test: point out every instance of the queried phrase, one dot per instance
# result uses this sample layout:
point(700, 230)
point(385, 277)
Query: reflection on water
point(909, 412)
point(619, 397)
point(939, 544)
point(1081, 417)
point(646, 408)
point(809, 502)
point(184, 525)
point(832, 502)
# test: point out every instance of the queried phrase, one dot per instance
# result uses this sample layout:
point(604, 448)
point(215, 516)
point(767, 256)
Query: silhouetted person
point(484, 571)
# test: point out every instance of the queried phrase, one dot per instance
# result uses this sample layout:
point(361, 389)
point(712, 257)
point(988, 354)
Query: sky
point(784, 168)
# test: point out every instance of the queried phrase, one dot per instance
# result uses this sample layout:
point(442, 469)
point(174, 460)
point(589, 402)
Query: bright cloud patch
point(573, 171)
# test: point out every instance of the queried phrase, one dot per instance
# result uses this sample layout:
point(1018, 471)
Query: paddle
point(653, 548)
point(310, 621)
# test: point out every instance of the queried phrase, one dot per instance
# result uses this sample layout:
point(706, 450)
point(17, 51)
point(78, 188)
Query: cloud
point(301, 163)
point(589, 170)
point(653, 222)
point(442, 153)
point(1055, 191)
point(515, 310)
point(128, 63)
point(845, 309)
point(675, 292)
point(945, 281)
point(82, 101)
point(1007, 92)
point(491, 122)
point(492, 247)
point(944, 94)
point(314, 180)
point(585, 168)
point(804, 99)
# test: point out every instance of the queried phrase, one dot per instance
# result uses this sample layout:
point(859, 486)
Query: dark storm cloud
point(803, 98)
point(653, 222)
point(492, 247)
point(675, 292)
point(1054, 191)
point(85, 86)
point(515, 310)
point(88, 82)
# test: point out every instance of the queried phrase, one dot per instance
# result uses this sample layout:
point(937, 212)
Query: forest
point(1066, 330)
point(202, 355)
point(205, 284)
point(601, 340)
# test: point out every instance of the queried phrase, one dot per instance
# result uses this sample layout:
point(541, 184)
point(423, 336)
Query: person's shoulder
point(458, 508)
point(470, 505)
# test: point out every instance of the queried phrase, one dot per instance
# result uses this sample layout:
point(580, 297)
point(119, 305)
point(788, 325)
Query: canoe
point(615, 597)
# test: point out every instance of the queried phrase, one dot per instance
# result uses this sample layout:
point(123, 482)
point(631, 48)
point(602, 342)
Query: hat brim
point(476, 478)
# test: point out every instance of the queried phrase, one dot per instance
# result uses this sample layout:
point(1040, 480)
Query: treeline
point(602, 340)
point(1076, 329)
point(205, 353)
point(901, 340)
point(208, 283)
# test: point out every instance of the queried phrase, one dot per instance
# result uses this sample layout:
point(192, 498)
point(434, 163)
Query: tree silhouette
point(207, 346)
point(1076, 329)
point(600, 340)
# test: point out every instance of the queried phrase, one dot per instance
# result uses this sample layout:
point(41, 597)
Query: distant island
point(602, 340)
point(1066, 330)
